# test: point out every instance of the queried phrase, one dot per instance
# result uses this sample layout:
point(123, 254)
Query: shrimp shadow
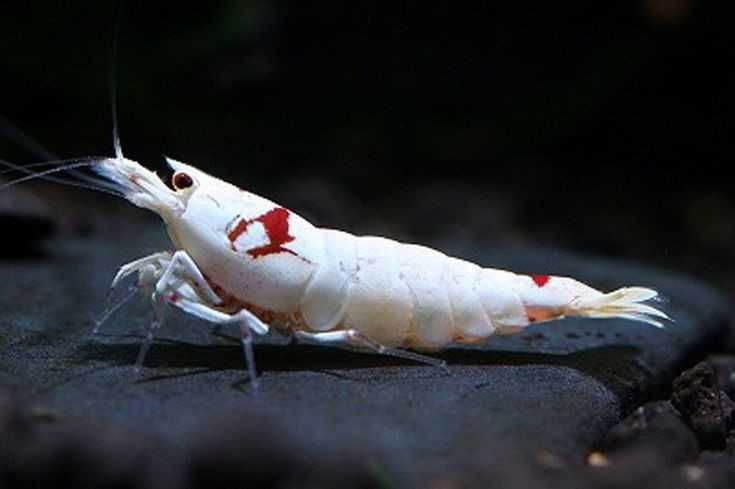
point(619, 367)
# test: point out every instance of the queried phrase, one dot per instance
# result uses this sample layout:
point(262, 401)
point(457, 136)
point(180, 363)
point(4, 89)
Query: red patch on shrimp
point(540, 280)
point(275, 222)
point(241, 227)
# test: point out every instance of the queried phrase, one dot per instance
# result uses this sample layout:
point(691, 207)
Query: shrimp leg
point(183, 285)
point(183, 267)
point(354, 340)
point(155, 259)
point(179, 275)
point(176, 279)
point(149, 271)
point(248, 322)
point(159, 311)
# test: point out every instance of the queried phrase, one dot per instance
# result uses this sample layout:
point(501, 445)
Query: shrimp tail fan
point(627, 302)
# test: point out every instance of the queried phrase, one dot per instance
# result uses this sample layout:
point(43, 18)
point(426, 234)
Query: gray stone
point(556, 388)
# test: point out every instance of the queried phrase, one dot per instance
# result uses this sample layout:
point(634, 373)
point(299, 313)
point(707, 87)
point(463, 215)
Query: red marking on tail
point(540, 280)
point(276, 226)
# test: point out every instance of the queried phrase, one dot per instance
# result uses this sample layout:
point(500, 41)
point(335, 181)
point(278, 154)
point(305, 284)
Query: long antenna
point(113, 80)
point(16, 134)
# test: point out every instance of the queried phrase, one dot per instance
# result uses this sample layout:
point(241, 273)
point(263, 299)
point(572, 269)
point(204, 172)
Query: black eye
point(181, 181)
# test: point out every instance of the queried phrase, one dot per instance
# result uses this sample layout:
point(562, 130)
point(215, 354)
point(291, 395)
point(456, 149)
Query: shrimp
point(243, 259)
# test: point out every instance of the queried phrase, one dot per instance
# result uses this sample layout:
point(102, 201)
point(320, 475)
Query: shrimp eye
point(181, 181)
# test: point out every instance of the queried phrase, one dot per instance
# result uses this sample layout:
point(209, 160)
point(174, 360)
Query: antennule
point(113, 82)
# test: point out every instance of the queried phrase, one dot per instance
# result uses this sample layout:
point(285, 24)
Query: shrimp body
point(242, 258)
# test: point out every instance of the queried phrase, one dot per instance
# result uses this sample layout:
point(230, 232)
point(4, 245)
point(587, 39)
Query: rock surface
point(705, 407)
point(554, 389)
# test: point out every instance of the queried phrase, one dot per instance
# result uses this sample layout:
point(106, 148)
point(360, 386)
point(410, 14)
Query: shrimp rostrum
point(240, 258)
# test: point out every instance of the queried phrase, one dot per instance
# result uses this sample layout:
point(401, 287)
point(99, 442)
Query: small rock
point(724, 365)
point(698, 398)
point(597, 459)
point(655, 426)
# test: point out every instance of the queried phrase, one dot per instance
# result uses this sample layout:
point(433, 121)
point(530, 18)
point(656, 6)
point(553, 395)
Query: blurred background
point(598, 127)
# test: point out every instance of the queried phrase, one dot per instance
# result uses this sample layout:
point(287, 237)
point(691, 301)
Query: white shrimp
point(240, 258)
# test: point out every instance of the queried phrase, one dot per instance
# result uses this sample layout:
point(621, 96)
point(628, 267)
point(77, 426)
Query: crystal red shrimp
point(240, 258)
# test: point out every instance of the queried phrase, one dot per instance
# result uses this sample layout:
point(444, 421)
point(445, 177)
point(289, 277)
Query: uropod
point(241, 258)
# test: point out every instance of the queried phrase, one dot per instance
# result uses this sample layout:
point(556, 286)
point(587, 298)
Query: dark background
point(600, 127)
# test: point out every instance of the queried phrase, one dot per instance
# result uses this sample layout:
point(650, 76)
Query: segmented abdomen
point(406, 295)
